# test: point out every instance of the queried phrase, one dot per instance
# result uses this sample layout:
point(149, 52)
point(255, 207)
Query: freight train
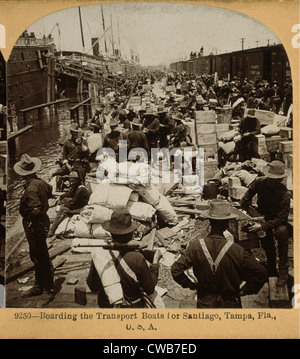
point(268, 63)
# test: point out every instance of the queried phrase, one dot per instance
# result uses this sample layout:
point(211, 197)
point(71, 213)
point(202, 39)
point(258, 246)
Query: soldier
point(273, 200)
point(33, 209)
point(219, 266)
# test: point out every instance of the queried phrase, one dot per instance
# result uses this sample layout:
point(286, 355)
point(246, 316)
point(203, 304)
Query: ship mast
point(103, 25)
point(82, 38)
point(112, 34)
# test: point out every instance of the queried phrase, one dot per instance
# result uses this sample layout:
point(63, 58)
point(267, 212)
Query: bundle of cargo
point(239, 182)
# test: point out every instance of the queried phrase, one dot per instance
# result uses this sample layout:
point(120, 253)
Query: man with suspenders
point(219, 266)
point(122, 277)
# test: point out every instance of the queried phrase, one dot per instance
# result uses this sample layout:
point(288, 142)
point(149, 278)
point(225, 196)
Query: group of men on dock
point(220, 267)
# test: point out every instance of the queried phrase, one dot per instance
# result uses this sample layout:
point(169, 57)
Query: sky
point(158, 33)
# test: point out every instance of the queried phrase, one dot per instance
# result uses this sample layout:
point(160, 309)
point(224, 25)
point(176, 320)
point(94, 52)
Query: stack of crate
point(206, 132)
point(285, 150)
point(206, 138)
point(261, 147)
point(235, 188)
point(224, 115)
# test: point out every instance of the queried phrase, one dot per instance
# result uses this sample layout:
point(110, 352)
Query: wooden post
point(90, 108)
point(85, 113)
point(49, 80)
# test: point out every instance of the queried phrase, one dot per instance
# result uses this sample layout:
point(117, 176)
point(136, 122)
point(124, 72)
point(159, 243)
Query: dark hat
point(219, 210)
point(275, 169)
point(27, 165)
point(120, 223)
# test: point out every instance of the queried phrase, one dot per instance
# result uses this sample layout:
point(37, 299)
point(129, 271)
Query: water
point(42, 141)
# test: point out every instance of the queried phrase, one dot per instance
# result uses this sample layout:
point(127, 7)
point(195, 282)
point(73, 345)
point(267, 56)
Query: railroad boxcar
point(268, 63)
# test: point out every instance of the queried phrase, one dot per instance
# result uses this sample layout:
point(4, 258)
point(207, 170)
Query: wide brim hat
point(136, 122)
point(218, 210)
point(27, 165)
point(275, 169)
point(120, 223)
point(114, 122)
point(251, 113)
point(75, 128)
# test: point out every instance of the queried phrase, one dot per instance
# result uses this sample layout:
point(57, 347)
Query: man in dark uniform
point(151, 129)
point(248, 128)
point(218, 265)
point(72, 201)
point(96, 123)
point(33, 209)
point(75, 152)
point(273, 201)
point(167, 125)
point(131, 114)
point(112, 139)
point(134, 272)
point(137, 139)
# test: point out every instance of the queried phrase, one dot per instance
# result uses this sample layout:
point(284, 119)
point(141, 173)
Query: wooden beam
point(14, 135)
point(43, 105)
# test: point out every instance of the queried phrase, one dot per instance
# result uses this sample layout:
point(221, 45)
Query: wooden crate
point(205, 116)
point(237, 192)
point(210, 150)
point(272, 143)
point(260, 140)
point(236, 226)
point(286, 146)
point(204, 128)
point(286, 132)
point(222, 127)
point(207, 139)
point(261, 150)
point(279, 297)
point(234, 182)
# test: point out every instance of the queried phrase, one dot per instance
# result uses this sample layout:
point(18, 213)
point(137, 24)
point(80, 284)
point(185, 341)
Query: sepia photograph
point(147, 164)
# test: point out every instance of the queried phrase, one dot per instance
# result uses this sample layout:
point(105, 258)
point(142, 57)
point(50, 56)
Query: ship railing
point(86, 106)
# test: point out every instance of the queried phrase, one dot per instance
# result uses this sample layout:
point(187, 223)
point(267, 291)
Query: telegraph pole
point(242, 41)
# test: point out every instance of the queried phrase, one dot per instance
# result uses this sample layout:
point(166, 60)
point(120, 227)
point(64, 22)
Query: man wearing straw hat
point(273, 201)
point(219, 266)
point(33, 209)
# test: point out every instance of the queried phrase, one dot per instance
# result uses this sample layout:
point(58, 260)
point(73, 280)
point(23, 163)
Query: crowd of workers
point(161, 123)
